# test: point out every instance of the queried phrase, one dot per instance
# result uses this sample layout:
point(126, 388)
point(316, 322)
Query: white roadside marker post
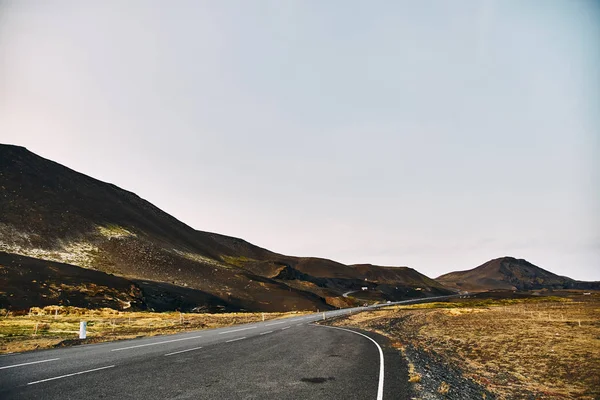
point(82, 329)
point(323, 316)
point(263, 317)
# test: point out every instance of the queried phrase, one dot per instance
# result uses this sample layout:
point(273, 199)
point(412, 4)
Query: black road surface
point(290, 358)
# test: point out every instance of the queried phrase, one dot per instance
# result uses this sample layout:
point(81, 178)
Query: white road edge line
point(264, 333)
point(287, 327)
point(29, 363)
point(380, 386)
point(237, 330)
point(65, 376)
point(182, 351)
point(276, 323)
point(155, 343)
point(234, 340)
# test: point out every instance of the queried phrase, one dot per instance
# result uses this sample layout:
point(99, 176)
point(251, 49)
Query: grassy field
point(59, 326)
point(540, 347)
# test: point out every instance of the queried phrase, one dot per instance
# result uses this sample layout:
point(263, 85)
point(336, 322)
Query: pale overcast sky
point(433, 134)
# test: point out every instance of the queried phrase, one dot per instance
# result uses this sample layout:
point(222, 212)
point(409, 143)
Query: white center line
point(276, 323)
point(287, 327)
point(29, 363)
point(155, 343)
point(233, 340)
point(264, 333)
point(182, 351)
point(65, 376)
point(237, 330)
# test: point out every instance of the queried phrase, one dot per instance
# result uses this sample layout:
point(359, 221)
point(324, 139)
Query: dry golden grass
point(444, 388)
point(55, 325)
point(413, 376)
point(546, 346)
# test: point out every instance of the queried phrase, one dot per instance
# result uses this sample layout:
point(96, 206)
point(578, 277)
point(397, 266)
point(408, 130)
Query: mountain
point(29, 282)
point(50, 212)
point(508, 273)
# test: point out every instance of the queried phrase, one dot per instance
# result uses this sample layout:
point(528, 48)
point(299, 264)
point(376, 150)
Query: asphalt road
point(290, 358)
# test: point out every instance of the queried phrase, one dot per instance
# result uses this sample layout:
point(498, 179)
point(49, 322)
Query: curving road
point(291, 358)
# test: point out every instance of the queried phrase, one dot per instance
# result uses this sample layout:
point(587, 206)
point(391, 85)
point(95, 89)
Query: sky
point(433, 134)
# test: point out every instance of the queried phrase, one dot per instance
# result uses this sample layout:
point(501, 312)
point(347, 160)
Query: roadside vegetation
point(524, 348)
point(55, 326)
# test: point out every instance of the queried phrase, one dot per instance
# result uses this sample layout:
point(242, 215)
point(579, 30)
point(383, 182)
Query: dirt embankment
point(531, 348)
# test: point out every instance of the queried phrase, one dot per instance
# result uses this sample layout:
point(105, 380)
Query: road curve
point(290, 358)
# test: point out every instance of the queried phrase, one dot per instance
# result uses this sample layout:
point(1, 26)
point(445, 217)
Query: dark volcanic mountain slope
point(511, 274)
point(54, 202)
point(398, 283)
point(28, 282)
point(384, 283)
point(398, 275)
point(50, 212)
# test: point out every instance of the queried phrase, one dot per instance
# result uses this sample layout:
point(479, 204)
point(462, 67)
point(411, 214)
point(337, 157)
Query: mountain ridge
point(49, 211)
point(509, 273)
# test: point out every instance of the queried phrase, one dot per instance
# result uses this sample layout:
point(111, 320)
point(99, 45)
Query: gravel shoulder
point(527, 348)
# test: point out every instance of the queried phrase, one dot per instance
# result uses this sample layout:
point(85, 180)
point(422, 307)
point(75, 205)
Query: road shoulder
point(396, 384)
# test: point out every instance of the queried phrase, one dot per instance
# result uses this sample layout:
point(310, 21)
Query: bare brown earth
point(55, 326)
point(525, 348)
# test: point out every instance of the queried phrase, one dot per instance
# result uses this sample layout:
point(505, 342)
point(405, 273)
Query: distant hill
point(508, 273)
point(50, 212)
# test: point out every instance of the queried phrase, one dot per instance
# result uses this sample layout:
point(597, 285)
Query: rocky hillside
point(50, 212)
point(508, 273)
point(33, 282)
